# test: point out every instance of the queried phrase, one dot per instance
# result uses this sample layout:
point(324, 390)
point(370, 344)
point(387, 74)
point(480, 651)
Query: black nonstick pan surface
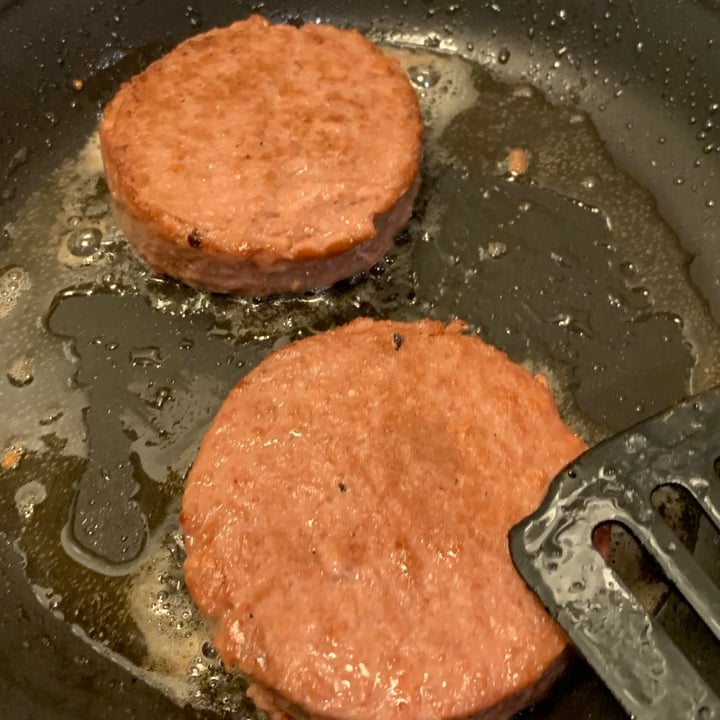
point(599, 268)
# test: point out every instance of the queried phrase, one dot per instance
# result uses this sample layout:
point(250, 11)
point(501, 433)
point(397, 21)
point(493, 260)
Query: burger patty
point(261, 158)
point(346, 525)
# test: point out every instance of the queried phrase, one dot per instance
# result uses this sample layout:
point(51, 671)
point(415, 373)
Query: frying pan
point(600, 270)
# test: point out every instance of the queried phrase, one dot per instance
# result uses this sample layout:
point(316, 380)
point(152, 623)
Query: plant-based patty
point(261, 158)
point(346, 525)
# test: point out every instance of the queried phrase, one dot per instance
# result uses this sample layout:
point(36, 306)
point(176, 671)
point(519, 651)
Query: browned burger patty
point(346, 525)
point(263, 158)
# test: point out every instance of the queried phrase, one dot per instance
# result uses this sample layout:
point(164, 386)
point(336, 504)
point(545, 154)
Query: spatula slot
point(678, 507)
point(635, 566)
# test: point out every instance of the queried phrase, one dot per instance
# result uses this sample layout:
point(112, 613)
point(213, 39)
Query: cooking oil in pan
point(524, 228)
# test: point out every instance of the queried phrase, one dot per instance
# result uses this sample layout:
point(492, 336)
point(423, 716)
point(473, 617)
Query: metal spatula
point(554, 552)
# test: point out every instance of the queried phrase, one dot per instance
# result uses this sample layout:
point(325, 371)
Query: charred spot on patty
point(398, 340)
point(342, 486)
point(194, 238)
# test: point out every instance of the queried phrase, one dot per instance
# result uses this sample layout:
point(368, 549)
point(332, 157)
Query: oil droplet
point(19, 373)
point(49, 599)
point(709, 203)
point(14, 281)
point(209, 651)
point(560, 260)
point(523, 91)
point(432, 41)
point(193, 15)
point(28, 496)
point(146, 357)
point(589, 182)
point(84, 243)
point(17, 161)
point(496, 249)
point(640, 297)
point(424, 76)
point(161, 397)
point(50, 417)
point(635, 443)
point(503, 55)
